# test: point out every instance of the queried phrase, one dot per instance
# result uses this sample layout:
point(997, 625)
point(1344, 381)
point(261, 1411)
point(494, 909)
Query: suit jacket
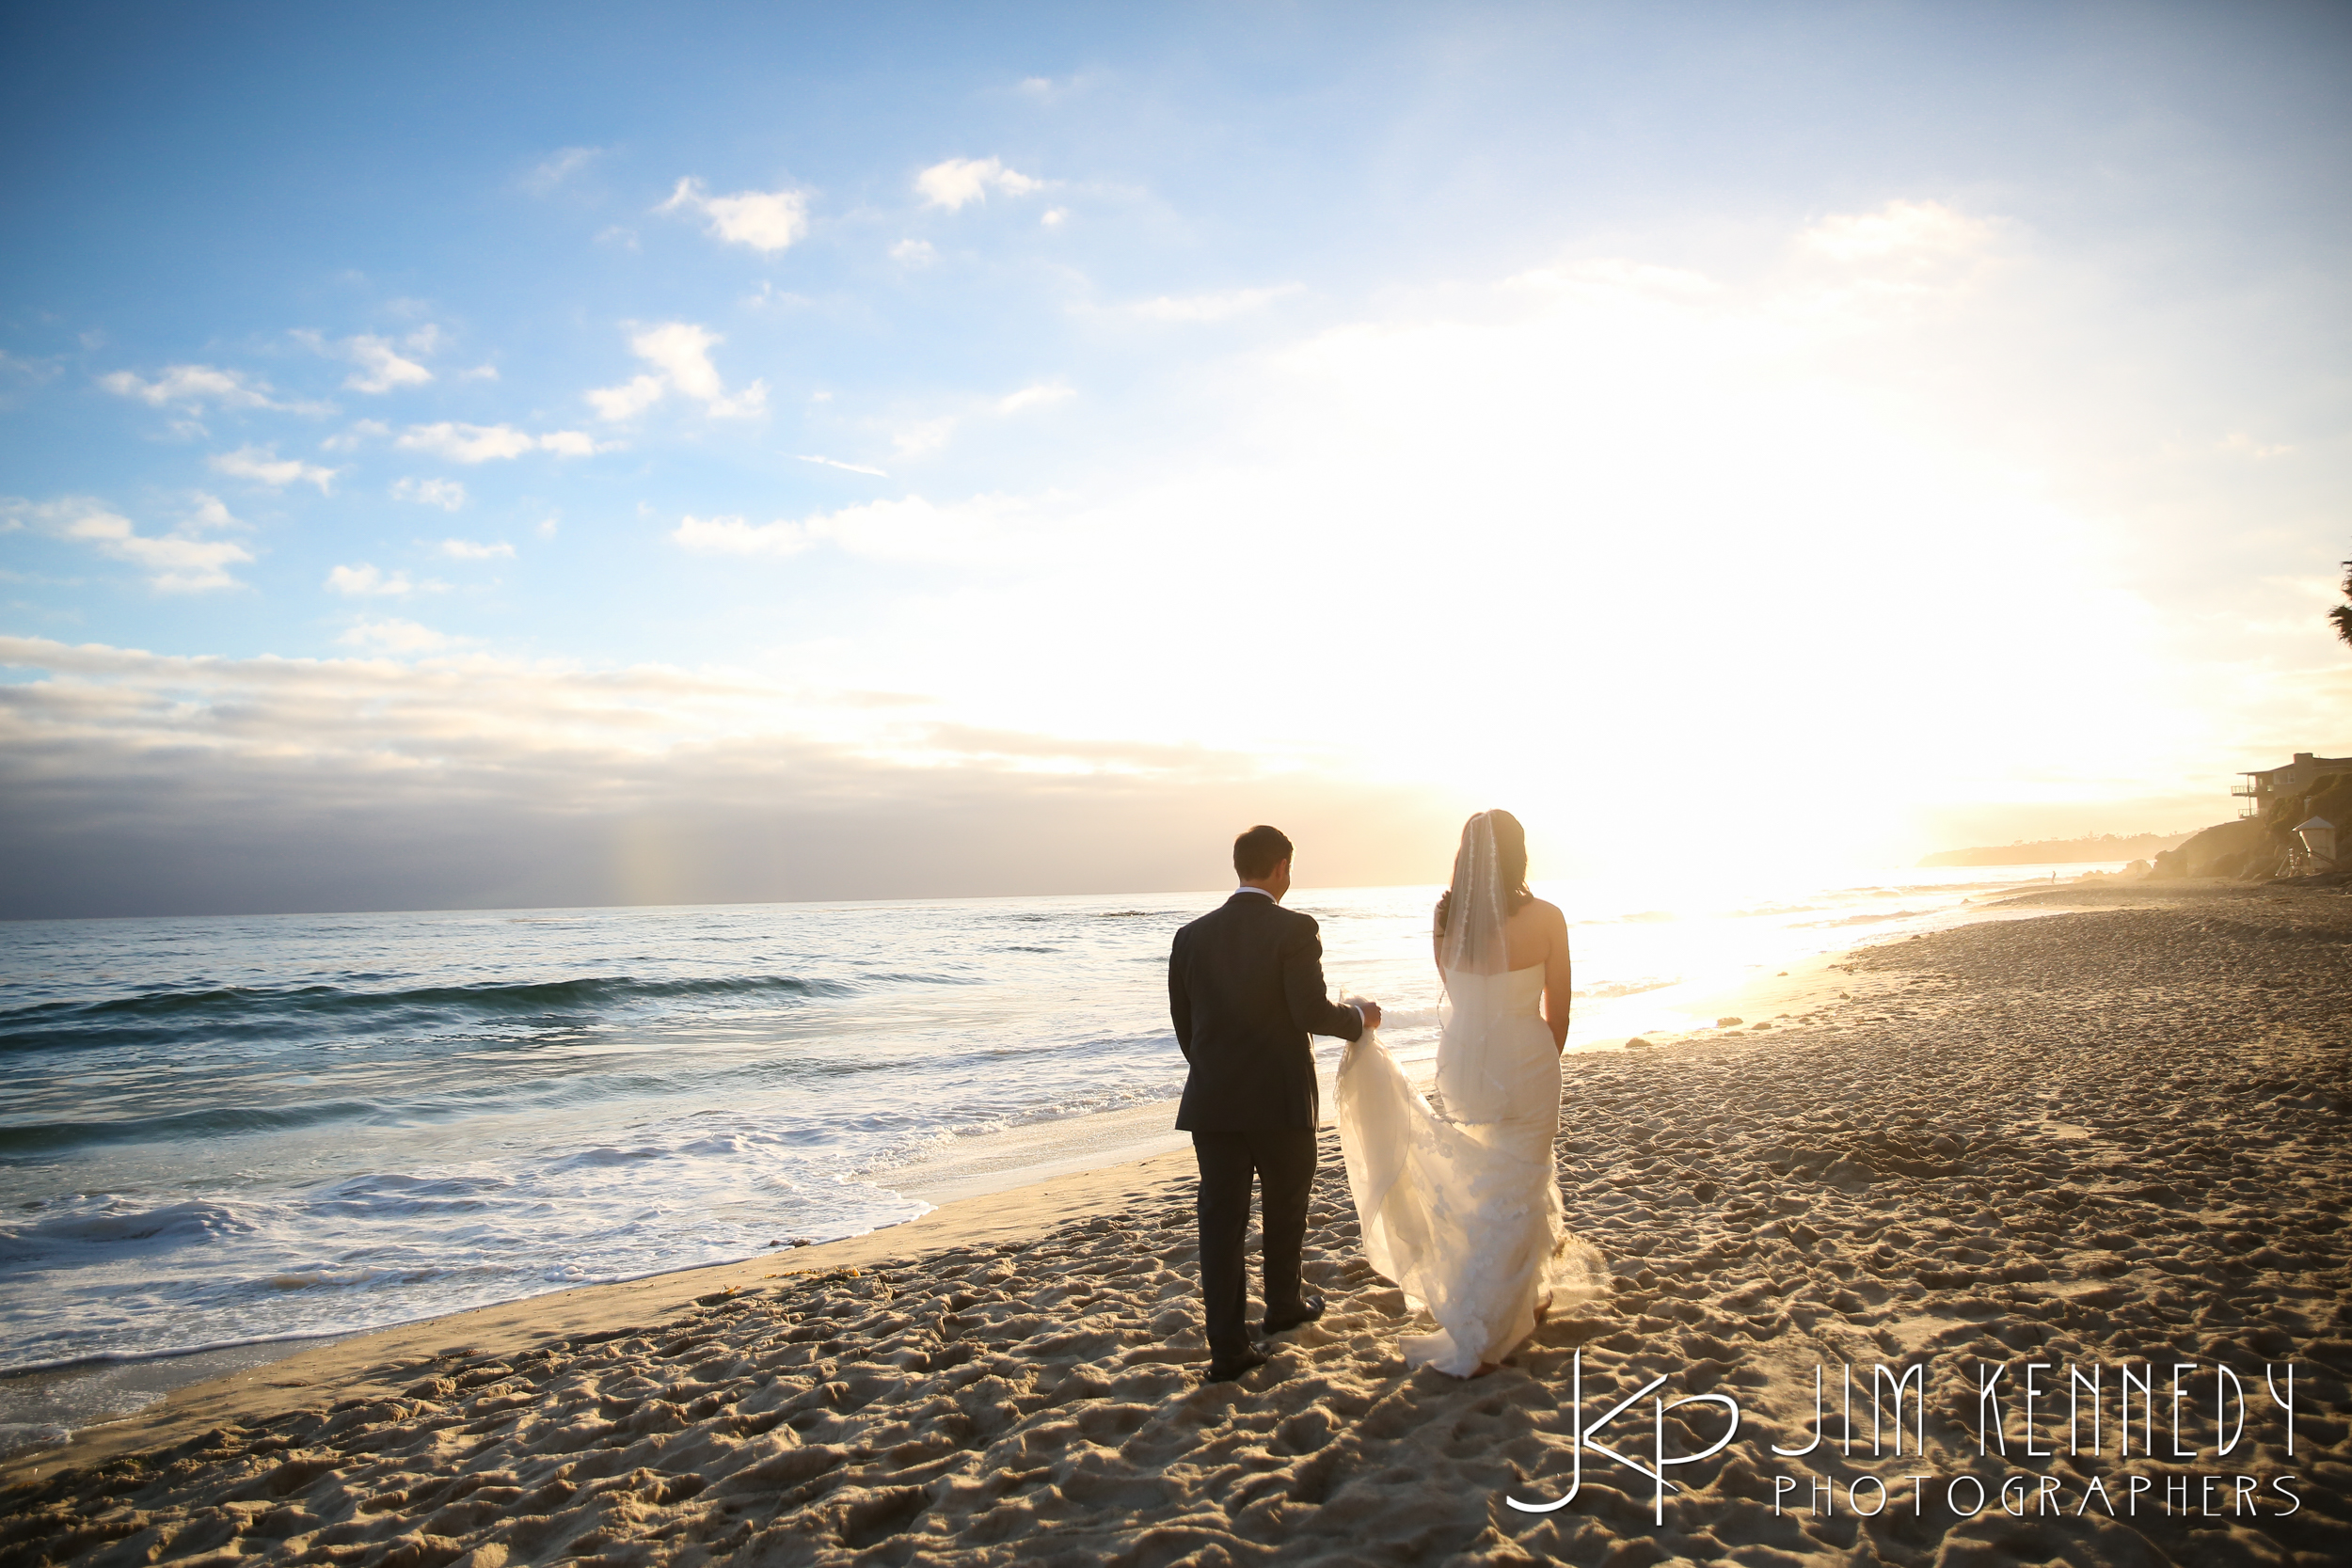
point(1245, 987)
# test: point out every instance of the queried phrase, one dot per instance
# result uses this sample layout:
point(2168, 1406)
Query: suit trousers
point(1283, 1161)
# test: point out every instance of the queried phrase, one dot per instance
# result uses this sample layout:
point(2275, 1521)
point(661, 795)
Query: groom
point(1244, 985)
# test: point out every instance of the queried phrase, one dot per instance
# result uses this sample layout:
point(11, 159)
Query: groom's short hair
point(1257, 852)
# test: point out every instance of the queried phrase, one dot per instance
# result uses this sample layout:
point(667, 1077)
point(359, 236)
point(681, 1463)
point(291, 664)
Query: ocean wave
point(915, 1143)
point(316, 1280)
point(1609, 990)
point(919, 977)
point(45, 1137)
point(103, 1221)
point(605, 1157)
point(19, 1437)
point(169, 1014)
point(1866, 919)
point(395, 1193)
point(1066, 917)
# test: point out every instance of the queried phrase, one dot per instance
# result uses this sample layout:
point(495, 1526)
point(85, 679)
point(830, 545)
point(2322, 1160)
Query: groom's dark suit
point(1245, 987)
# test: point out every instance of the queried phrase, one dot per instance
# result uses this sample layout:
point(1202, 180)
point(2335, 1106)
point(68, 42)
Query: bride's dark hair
point(1510, 860)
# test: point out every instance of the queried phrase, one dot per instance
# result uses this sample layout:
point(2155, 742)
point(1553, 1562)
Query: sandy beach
point(2113, 1136)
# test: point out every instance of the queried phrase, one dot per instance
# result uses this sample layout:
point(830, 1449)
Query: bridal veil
point(1477, 907)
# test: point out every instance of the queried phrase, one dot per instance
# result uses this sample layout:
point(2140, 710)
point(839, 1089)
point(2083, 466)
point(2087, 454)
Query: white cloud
point(447, 494)
point(2238, 444)
point(211, 512)
point(680, 352)
point(1614, 277)
point(32, 372)
point(385, 777)
point(191, 387)
point(392, 635)
point(382, 368)
point(735, 536)
point(927, 437)
point(365, 581)
point(560, 167)
point(1210, 307)
point(349, 441)
point(1055, 217)
point(834, 463)
point(961, 180)
point(1910, 232)
point(174, 563)
point(384, 364)
point(1032, 397)
point(1045, 89)
point(262, 466)
point(469, 443)
point(547, 527)
point(914, 253)
point(466, 550)
point(909, 530)
point(628, 400)
point(480, 372)
point(768, 221)
point(769, 298)
point(483, 443)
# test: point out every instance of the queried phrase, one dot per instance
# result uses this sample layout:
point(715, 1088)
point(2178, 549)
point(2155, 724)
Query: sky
point(461, 456)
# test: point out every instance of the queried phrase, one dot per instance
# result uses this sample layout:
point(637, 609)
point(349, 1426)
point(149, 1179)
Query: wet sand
point(2114, 1135)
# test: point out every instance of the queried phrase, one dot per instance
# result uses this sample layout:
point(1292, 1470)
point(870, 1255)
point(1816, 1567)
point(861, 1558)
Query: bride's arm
point(1557, 976)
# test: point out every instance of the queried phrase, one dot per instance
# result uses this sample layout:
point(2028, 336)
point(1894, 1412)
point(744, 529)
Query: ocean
point(222, 1131)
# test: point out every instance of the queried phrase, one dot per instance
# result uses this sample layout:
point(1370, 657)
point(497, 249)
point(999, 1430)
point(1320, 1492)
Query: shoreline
point(1040, 1155)
point(2114, 1135)
point(344, 1363)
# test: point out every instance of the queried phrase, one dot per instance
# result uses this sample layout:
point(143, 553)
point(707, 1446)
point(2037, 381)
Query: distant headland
point(2290, 827)
point(2063, 851)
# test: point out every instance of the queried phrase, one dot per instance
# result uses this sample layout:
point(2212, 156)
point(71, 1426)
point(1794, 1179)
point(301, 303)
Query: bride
point(1460, 1206)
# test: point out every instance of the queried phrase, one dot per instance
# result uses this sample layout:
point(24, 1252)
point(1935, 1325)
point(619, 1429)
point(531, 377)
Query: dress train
point(1462, 1210)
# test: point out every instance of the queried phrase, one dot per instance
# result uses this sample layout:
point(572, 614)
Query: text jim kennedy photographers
point(2200, 1410)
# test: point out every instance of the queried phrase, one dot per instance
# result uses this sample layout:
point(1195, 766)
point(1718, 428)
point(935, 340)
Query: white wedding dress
point(1462, 1209)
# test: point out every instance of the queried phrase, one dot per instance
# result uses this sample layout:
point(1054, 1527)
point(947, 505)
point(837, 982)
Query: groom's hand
point(1371, 1013)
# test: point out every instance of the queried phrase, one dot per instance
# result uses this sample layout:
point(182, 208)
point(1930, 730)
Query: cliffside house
point(2261, 788)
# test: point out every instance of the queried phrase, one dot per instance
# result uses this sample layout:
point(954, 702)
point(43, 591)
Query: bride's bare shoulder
point(1551, 921)
point(1537, 915)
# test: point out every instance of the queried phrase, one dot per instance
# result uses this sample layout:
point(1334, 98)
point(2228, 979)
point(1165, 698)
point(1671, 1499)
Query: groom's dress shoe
point(1309, 1308)
point(1226, 1372)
